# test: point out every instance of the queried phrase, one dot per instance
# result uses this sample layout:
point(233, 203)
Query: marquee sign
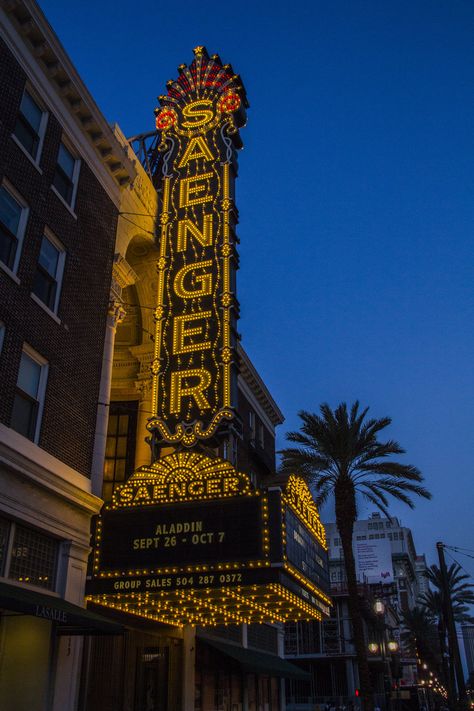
point(194, 367)
point(190, 540)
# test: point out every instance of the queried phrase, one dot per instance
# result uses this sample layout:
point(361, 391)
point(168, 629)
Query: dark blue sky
point(356, 203)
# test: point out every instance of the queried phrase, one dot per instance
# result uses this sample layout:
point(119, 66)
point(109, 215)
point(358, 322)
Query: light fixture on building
point(379, 607)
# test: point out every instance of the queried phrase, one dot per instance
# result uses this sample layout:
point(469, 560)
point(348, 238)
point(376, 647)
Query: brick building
point(62, 172)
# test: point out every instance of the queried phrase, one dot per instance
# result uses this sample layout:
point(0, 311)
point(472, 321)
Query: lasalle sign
point(189, 539)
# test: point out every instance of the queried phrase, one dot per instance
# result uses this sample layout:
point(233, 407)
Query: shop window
point(120, 447)
point(33, 558)
point(66, 175)
point(30, 125)
point(28, 556)
point(13, 217)
point(49, 272)
point(29, 394)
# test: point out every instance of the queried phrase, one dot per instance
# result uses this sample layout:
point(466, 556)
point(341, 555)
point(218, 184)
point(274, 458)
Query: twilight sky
point(356, 203)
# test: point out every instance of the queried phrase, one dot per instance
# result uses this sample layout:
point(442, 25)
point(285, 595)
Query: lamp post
point(390, 666)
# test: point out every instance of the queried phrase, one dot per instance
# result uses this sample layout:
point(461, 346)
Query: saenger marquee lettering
point(194, 368)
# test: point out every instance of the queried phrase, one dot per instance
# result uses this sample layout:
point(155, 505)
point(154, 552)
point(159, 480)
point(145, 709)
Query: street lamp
point(379, 607)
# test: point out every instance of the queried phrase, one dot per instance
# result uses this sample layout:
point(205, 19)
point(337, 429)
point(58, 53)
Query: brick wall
point(73, 348)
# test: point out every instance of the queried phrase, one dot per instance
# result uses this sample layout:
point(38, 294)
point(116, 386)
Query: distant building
point(468, 639)
point(398, 540)
point(421, 568)
point(389, 569)
point(61, 175)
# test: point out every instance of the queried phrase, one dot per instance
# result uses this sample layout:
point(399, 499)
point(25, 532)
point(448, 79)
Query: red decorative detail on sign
point(165, 119)
point(229, 103)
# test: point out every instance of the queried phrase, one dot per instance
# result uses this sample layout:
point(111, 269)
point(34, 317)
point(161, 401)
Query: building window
point(66, 175)
point(261, 435)
point(34, 558)
point(120, 448)
point(361, 538)
point(49, 272)
point(27, 555)
point(30, 125)
point(29, 394)
point(337, 541)
point(252, 425)
point(230, 450)
point(2, 335)
point(13, 217)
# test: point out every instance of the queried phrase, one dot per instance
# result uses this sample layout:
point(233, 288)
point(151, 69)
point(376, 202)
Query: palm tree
point(460, 591)
point(462, 595)
point(340, 455)
point(419, 635)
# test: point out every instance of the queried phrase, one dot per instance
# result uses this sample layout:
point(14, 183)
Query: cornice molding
point(39, 51)
point(255, 383)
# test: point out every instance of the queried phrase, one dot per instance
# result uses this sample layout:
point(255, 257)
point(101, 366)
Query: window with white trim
point(66, 175)
point(13, 218)
point(29, 395)
point(30, 125)
point(49, 272)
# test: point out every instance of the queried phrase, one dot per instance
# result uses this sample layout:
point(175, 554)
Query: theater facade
point(201, 552)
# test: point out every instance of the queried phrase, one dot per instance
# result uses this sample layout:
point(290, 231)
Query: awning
point(253, 661)
point(70, 619)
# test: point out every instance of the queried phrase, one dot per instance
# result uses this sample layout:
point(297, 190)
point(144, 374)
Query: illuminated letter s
point(198, 113)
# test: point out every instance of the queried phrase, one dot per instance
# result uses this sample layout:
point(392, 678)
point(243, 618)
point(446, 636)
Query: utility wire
point(458, 563)
point(461, 551)
point(458, 548)
point(137, 225)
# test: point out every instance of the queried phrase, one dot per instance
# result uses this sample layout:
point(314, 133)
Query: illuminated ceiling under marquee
point(194, 367)
point(189, 540)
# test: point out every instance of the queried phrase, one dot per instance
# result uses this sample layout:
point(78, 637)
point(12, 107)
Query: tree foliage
point(461, 592)
point(339, 453)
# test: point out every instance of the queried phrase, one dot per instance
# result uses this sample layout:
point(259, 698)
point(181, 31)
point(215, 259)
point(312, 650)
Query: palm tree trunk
point(345, 517)
point(448, 671)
